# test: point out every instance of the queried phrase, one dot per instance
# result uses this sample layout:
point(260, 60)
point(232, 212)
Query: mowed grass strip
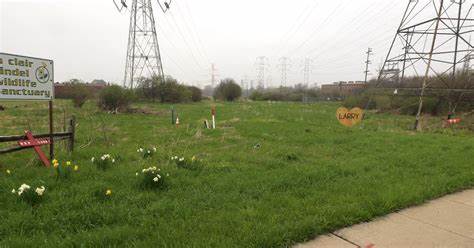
point(274, 174)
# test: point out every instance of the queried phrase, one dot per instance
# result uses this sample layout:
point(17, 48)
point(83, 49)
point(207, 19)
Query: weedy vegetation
point(270, 175)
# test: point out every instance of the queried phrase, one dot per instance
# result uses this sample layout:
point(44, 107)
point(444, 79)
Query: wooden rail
point(69, 136)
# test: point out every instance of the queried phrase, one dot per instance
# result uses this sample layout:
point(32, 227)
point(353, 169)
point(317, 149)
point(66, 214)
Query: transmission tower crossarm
point(393, 41)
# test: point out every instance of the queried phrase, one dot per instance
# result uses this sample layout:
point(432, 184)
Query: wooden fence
point(68, 136)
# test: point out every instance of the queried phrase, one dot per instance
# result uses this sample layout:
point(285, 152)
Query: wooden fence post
point(72, 130)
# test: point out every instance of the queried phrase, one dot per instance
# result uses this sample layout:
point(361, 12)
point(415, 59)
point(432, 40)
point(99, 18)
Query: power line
point(193, 31)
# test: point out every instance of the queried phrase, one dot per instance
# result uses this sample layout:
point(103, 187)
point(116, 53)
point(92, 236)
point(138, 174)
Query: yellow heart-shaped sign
point(349, 118)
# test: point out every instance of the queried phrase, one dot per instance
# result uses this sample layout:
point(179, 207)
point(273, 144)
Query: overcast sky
point(87, 39)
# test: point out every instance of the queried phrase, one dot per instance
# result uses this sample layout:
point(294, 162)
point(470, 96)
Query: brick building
point(342, 88)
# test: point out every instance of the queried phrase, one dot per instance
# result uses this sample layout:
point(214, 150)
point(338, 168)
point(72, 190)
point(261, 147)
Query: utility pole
point(143, 52)
point(367, 63)
point(284, 65)
point(261, 65)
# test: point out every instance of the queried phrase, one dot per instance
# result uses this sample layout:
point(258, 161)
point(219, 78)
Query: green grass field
point(273, 175)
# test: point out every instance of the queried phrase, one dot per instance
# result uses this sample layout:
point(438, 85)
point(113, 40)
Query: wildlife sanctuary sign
point(26, 78)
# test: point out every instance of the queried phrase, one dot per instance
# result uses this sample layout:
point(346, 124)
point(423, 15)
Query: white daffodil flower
point(40, 190)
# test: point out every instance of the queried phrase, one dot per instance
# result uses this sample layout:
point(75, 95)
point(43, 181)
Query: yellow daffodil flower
point(108, 192)
point(76, 168)
point(9, 172)
point(68, 163)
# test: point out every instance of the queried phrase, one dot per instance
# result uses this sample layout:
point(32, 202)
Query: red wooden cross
point(36, 143)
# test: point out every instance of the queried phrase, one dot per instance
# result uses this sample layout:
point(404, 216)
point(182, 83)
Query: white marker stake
point(213, 112)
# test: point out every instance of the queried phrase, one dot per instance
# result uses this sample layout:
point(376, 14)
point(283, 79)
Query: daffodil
point(108, 192)
point(40, 190)
point(9, 172)
point(68, 163)
point(76, 168)
point(55, 161)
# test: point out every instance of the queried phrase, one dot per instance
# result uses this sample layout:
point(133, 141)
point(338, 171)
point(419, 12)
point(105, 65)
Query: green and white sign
point(26, 78)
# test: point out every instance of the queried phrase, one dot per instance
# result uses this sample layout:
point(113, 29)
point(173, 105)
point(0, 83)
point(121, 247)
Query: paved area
point(445, 222)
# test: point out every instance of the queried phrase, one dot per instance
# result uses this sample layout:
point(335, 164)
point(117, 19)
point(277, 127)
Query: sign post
point(28, 79)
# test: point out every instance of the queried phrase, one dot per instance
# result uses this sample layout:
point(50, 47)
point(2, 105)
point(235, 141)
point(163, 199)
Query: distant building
point(343, 88)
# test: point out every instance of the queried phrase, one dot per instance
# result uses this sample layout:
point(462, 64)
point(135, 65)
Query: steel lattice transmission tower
point(284, 66)
point(307, 71)
point(143, 52)
point(261, 65)
point(432, 42)
point(432, 34)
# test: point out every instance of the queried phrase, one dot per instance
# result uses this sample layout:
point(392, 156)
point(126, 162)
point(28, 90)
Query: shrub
point(148, 88)
point(383, 103)
point(79, 94)
point(228, 90)
point(361, 101)
point(196, 93)
point(115, 98)
point(257, 96)
point(172, 92)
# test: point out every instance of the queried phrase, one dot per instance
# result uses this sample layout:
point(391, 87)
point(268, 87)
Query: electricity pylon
point(284, 66)
point(307, 70)
point(432, 38)
point(446, 24)
point(261, 65)
point(143, 52)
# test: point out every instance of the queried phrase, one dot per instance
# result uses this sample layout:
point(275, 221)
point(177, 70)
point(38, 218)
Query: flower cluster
point(147, 153)
point(191, 164)
point(104, 162)
point(32, 197)
point(152, 178)
point(64, 170)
